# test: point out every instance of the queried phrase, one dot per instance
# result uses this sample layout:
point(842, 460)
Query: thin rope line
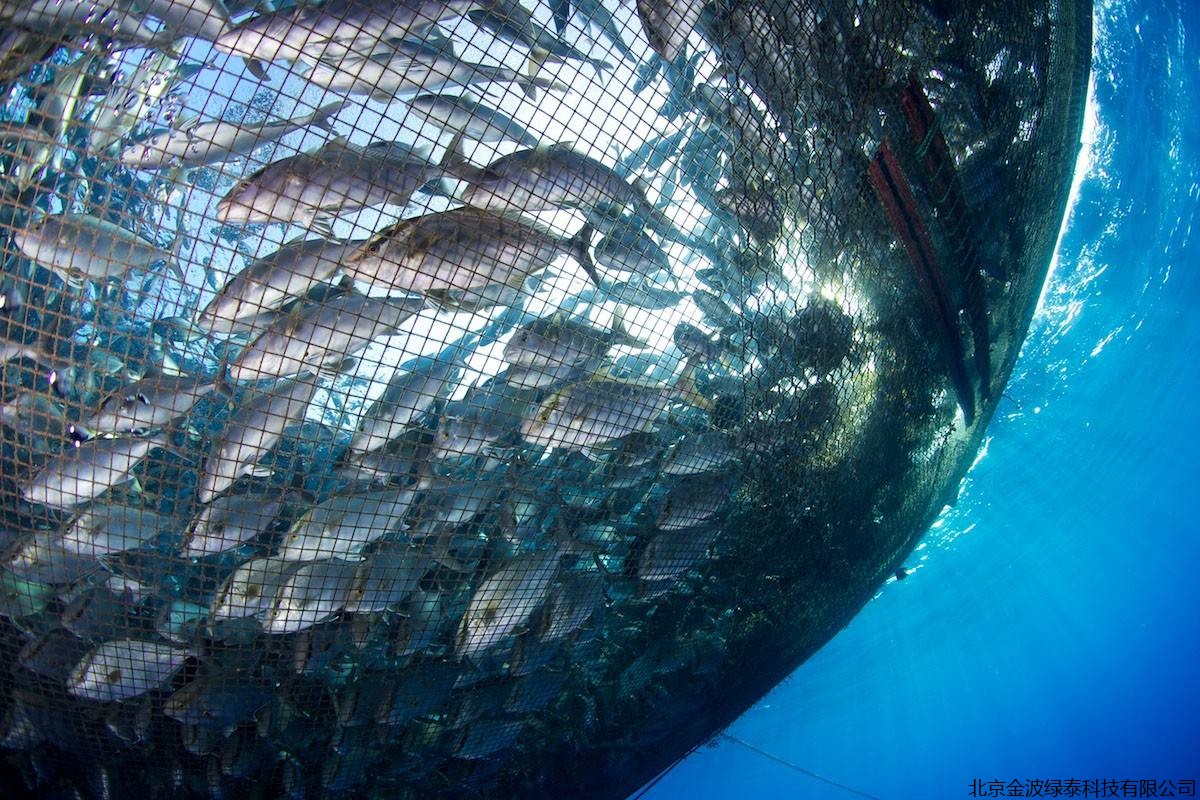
point(797, 767)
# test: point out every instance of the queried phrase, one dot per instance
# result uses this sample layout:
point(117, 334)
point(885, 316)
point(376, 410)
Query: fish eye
point(113, 676)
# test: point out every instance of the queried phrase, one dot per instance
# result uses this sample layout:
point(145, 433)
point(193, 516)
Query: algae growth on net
point(471, 398)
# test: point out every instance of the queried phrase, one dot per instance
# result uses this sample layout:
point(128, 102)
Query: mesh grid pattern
point(472, 398)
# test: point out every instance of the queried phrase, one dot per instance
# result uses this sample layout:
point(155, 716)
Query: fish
point(344, 524)
point(231, 520)
point(264, 284)
point(339, 177)
point(505, 601)
point(204, 143)
point(693, 502)
point(467, 114)
point(408, 396)
point(41, 558)
point(699, 453)
point(463, 249)
point(549, 178)
point(668, 24)
point(313, 337)
point(42, 145)
point(201, 19)
point(35, 415)
point(253, 431)
point(88, 470)
point(559, 340)
point(218, 701)
point(107, 528)
point(596, 411)
point(671, 553)
point(511, 21)
point(695, 344)
point(113, 19)
point(125, 668)
point(132, 99)
point(82, 247)
point(20, 597)
point(251, 588)
point(570, 604)
point(311, 594)
point(387, 77)
point(387, 577)
point(595, 13)
point(335, 29)
point(147, 404)
point(631, 253)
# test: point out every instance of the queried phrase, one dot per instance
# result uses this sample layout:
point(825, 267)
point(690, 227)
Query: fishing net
point(480, 399)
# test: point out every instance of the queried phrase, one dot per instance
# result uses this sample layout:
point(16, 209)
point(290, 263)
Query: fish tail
point(321, 117)
point(685, 389)
point(580, 245)
point(621, 337)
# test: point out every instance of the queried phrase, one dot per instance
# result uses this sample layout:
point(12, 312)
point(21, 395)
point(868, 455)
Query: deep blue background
point(1052, 627)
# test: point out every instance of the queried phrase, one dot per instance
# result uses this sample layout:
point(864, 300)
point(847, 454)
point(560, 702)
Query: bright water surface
point(1051, 628)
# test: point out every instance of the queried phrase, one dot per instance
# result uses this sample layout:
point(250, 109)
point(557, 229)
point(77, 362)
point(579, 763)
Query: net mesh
point(474, 398)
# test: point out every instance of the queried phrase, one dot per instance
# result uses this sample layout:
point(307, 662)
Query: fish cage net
point(484, 398)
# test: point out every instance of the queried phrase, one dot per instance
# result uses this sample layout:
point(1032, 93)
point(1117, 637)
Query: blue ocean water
point(1050, 629)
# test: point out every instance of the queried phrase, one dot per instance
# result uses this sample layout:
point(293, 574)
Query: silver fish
point(570, 605)
point(465, 113)
point(388, 76)
point(505, 601)
point(113, 19)
point(630, 252)
point(548, 178)
point(511, 21)
point(699, 453)
point(311, 338)
point(408, 396)
point(558, 340)
point(42, 559)
point(202, 143)
point(86, 471)
point(123, 669)
point(387, 577)
point(131, 100)
point(339, 177)
point(217, 701)
point(312, 594)
point(254, 431)
point(203, 19)
point(694, 502)
point(342, 525)
point(146, 404)
point(669, 24)
point(671, 553)
point(462, 249)
point(80, 247)
point(335, 29)
point(251, 589)
point(596, 411)
point(231, 520)
point(267, 282)
point(106, 528)
point(20, 597)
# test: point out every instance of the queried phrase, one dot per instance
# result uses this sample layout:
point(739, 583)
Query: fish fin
point(561, 11)
point(580, 245)
point(685, 389)
point(321, 117)
point(323, 227)
point(621, 337)
point(258, 69)
point(260, 471)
